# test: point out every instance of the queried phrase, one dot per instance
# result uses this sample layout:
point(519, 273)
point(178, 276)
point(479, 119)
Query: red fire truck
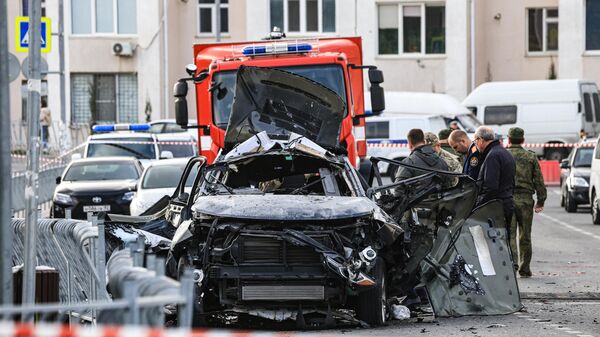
point(333, 62)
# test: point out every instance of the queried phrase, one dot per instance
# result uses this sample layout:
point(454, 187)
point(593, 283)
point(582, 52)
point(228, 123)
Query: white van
point(386, 133)
point(552, 111)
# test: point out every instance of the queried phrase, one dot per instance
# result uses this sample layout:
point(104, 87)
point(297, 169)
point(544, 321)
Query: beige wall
point(182, 37)
point(502, 44)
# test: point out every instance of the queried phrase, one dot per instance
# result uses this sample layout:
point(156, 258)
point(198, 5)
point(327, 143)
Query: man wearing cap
point(528, 180)
point(451, 160)
point(443, 137)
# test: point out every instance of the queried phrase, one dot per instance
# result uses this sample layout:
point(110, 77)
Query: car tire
point(595, 209)
point(570, 204)
point(372, 304)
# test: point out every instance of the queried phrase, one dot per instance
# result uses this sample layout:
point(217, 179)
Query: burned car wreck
point(281, 225)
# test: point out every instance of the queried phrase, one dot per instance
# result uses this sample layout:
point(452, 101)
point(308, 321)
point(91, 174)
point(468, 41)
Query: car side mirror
point(181, 112)
point(377, 93)
point(58, 180)
point(564, 164)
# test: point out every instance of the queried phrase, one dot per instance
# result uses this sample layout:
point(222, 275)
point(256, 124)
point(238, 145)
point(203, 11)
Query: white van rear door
point(590, 106)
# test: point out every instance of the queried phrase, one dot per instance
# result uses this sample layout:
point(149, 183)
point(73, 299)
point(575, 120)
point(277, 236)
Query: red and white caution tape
point(528, 145)
point(9, 329)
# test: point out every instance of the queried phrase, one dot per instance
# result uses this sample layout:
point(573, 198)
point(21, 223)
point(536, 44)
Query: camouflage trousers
point(522, 219)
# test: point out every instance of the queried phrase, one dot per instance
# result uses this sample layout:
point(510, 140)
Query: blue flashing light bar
point(120, 127)
point(277, 48)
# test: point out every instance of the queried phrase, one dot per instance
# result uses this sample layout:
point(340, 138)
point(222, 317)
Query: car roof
point(124, 135)
point(427, 103)
point(512, 92)
point(104, 159)
point(168, 162)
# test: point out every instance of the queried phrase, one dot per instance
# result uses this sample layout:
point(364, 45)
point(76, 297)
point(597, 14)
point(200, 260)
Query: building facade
point(123, 56)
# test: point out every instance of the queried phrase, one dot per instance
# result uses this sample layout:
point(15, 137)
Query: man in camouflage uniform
point(528, 180)
point(443, 136)
point(451, 160)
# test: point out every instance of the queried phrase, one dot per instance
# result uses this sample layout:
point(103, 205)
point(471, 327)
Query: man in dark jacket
point(421, 155)
point(497, 173)
point(470, 156)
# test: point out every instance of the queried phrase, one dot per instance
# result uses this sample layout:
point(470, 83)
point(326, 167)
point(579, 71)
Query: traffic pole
point(34, 85)
point(61, 52)
point(5, 167)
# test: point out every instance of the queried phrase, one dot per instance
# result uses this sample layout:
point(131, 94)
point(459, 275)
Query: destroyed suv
point(281, 226)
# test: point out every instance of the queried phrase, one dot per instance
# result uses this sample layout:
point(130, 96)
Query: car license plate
point(96, 208)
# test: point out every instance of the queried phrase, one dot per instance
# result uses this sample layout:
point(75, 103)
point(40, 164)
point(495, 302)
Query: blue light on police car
point(120, 127)
point(277, 48)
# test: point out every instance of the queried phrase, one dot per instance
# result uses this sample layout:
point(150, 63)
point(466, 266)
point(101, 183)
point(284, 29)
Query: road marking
point(573, 228)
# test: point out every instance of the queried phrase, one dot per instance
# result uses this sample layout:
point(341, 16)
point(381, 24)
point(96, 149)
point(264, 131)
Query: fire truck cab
point(335, 63)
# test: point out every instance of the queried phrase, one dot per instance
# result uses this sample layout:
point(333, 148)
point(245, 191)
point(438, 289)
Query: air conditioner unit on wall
point(122, 49)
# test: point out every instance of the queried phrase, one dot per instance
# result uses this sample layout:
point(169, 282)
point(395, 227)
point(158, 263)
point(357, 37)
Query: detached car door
point(461, 254)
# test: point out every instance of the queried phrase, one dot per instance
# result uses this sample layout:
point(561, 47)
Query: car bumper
point(580, 195)
point(59, 210)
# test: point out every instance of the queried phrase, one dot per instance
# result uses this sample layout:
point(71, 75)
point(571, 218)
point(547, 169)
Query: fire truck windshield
point(330, 75)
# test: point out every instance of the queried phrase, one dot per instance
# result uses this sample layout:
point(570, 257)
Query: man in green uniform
point(443, 136)
point(451, 160)
point(528, 180)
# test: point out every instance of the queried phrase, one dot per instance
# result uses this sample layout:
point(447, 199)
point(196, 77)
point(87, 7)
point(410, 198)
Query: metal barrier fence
point(61, 137)
point(77, 250)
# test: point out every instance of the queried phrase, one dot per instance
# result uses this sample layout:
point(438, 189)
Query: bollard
point(186, 310)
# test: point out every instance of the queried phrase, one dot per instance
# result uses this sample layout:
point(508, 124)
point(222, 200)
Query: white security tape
point(527, 145)
point(9, 329)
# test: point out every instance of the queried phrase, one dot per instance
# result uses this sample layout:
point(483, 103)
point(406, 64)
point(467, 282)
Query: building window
point(104, 98)
point(592, 25)
point(103, 17)
point(207, 17)
point(25, 7)
point(303, 16)
point(499, 115)
point(542, 29)
point(411, 29)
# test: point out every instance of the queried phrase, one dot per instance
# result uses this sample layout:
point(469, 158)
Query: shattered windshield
point(284, 173)
point(281, 103)
point(331, 76)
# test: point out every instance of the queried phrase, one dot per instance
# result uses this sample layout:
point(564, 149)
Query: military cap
point(431, 138)
point(516, 133)
point(444, 134)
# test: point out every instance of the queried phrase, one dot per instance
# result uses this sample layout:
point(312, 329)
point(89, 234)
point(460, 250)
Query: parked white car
point(160, 178)
point(552, 111)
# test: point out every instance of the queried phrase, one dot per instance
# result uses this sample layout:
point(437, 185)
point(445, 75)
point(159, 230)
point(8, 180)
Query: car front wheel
point(595, 209)
point(570, 203)
point(372, 304)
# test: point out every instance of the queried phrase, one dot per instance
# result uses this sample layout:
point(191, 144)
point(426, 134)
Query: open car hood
point(282, 103)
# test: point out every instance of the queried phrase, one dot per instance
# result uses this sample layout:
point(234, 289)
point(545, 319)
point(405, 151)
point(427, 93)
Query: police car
point(121, 140)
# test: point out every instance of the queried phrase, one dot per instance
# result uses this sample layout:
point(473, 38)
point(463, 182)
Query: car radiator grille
point(283, 292)
point(270, 250)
